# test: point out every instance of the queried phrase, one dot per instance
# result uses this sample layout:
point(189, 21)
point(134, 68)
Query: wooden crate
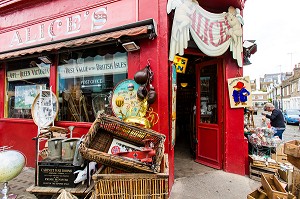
point(280, 158)
point(256, 172)
point(258, 193)
point(294, 161)
point(292, 148)
point(260, 163)
point(273, 187)
point(296, 182)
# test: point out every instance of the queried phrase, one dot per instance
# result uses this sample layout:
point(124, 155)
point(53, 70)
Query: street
point(291, 132)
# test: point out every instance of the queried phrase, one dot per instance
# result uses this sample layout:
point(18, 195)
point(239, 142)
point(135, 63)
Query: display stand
point(262, 150)
point(44, 111)
point(45, 105)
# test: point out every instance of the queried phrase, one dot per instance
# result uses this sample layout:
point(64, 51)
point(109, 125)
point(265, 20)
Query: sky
point(275, 25)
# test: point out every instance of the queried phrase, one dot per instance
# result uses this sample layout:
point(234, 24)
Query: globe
point(12, 163)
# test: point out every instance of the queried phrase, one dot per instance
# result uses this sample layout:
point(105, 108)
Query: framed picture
point(239, 92)
point(25, 95)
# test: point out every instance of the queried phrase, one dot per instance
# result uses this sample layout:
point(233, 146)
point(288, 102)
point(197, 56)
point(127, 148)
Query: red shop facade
point(94, 32)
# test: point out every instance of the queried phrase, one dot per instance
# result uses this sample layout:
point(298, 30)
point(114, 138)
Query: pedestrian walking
point(276, 118)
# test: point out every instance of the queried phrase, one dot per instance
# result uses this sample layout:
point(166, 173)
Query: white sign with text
point(112, 64)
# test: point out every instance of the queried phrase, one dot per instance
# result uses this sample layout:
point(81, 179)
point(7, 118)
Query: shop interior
point(185, 145)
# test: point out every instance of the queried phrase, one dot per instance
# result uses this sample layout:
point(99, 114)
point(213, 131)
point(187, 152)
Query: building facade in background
point(77, 50)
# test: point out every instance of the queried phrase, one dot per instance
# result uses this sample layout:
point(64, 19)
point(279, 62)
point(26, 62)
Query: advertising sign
point(239, 92)
point(28, 73)
point(113, 64)
point(180, 63)
point(92, 19)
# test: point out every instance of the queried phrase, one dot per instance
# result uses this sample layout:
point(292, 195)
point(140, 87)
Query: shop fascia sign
point(28, 73)
point(213, 33)
point(98, 66)
point(68, 26)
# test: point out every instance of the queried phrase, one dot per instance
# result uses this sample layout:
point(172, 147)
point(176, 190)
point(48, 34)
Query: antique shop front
point(83, 50)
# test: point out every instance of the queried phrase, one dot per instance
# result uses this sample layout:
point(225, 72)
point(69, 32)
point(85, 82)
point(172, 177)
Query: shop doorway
point(187, 143)
point(209, 88)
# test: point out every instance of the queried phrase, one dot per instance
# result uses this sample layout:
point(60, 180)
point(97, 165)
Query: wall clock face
point(43, 113)
point(124, 101)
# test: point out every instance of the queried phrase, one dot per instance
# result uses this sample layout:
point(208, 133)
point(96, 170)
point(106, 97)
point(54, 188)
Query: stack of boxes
point(292, 150)
point(272, 176)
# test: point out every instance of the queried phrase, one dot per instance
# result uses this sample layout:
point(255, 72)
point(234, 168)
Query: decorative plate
point(44, 114)
point(124, 101)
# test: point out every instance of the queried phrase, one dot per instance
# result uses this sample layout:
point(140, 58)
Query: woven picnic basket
point(99, 138)
point(130, 185)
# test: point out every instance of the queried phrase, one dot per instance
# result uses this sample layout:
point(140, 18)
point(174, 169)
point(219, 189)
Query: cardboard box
point(273, 187)
point(292, 148)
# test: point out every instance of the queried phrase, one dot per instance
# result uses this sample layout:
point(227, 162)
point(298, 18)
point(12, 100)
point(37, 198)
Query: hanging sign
point(213, 33)
point(180, 63)
point(239, 92)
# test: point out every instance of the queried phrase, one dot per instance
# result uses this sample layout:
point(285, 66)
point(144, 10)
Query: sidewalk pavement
point(19, 184)
point(215, 184)
point(211, 184)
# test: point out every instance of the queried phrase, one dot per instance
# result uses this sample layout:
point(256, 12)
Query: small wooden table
point(80, 190)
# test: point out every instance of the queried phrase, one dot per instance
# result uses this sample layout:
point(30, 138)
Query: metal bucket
point(54, 147)
point(68, 148)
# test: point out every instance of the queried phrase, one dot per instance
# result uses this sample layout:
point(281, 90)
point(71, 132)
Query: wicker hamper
point(99, 138)
point(109, 185)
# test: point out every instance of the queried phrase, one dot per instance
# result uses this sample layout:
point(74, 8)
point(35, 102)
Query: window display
point(24, 79)
point(85, 85)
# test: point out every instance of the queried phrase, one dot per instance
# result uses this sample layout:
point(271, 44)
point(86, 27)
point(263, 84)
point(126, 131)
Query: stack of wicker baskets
point(143, 180)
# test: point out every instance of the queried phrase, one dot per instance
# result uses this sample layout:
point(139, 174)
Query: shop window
point(24, 79)
point(85, 85)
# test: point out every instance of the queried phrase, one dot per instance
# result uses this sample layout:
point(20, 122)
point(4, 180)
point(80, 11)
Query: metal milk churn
point(68, 148)
point(78, 159)
point(54, 147)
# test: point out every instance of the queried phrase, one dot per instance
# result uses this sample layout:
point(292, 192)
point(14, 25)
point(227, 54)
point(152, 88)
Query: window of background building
point(23, 80)
point(85, 83)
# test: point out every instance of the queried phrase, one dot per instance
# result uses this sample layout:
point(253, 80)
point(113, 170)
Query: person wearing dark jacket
point(276, 118)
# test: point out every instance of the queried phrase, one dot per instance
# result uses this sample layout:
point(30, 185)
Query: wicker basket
point(99, 138)
point(128, 185)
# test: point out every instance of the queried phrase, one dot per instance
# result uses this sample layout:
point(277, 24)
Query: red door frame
point(209, 150)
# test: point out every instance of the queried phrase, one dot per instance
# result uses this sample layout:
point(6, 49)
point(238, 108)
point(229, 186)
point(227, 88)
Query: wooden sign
point(57, 174)
point(240, 92)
